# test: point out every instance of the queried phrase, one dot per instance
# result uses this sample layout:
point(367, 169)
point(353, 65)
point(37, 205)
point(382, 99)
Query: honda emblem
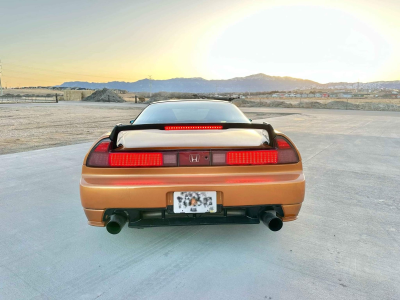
point(194, 158)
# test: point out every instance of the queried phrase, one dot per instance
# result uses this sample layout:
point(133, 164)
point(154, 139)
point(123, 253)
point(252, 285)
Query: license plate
point(195, 202)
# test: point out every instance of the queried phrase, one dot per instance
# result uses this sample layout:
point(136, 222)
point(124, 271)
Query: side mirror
point(250, 120)
point(132, 121)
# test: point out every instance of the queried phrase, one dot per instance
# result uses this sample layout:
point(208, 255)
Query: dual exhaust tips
point(269, 218)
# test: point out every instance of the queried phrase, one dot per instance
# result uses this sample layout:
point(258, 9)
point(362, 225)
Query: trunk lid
point(227, 138)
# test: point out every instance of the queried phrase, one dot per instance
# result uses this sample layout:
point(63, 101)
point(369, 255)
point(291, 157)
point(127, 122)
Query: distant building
point(361, 95)
point(118, 91)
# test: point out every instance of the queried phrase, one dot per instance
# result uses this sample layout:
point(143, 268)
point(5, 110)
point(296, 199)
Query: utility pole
point(150, 84)
point(1, 87)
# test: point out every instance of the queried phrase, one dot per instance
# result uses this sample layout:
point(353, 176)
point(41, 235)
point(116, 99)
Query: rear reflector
point(214, 127)
point(170, 159)
point(252, 157)
point(135, 159)
point(218, 158)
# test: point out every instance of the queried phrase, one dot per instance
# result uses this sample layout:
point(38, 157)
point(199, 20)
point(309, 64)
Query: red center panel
point(194, 158)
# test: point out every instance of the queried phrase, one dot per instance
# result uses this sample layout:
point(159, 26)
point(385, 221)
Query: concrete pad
point(345, 244)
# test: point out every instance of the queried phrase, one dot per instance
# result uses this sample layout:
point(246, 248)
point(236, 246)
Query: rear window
point(191, 112)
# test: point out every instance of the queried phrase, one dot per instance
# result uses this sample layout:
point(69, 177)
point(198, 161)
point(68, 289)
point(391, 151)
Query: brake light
point(282, 144)
point(101, 156)
point(252, 157)
point(284, 153)
point(200, 127)
point(135, 160)
point(102, 147)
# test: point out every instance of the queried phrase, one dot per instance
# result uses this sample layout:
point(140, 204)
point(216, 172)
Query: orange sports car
point(192, 162)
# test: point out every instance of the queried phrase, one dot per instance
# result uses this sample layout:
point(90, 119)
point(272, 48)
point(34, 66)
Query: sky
point(48, 42)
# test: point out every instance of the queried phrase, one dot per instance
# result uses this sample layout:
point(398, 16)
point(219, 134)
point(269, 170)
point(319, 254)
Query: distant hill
point(253, 83)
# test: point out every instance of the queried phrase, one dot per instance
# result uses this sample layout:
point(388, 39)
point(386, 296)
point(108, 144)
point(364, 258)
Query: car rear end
point(219, 180)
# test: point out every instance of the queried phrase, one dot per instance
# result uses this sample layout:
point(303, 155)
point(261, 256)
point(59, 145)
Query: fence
point(8, 99)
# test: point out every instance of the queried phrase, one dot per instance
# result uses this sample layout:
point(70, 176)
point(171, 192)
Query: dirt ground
point(29, 127)
point(330, 103)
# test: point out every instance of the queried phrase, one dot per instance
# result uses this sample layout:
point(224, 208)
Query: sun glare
point(303, 41)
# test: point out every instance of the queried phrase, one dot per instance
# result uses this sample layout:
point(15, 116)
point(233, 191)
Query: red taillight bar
point(101, 156)
point(135, 159)
point(252, 157)
point(205, 127)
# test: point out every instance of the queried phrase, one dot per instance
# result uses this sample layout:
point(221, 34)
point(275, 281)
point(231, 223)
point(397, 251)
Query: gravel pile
point(104, 95)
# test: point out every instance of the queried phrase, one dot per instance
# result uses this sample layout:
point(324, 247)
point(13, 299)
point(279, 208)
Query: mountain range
point(253, 83)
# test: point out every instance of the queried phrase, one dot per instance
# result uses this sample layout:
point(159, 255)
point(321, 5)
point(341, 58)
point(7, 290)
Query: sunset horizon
point(129, 41)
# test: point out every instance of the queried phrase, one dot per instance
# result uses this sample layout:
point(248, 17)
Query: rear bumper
point(138, 219)
point(100, 189)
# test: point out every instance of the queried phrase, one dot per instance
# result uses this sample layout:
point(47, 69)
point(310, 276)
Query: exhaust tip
point(270, 220)
point(116, 223)
point(275, 224)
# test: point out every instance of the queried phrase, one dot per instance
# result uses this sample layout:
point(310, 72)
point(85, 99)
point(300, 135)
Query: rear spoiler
point(266, 126)
point(226, 98)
